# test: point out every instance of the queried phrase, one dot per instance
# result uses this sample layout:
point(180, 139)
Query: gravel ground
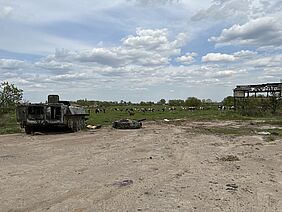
point(161, 167)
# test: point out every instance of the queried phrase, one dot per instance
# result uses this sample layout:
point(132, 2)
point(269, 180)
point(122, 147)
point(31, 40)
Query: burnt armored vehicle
point(54, 113)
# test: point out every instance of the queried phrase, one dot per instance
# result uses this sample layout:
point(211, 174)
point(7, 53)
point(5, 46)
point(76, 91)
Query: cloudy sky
point(137, 50)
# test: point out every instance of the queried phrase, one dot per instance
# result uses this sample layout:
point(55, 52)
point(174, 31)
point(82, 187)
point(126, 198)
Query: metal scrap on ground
point(93, 126)
point(127, 124)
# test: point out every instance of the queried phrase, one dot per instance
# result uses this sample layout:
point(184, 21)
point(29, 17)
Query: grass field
point(196, 115)
point(8, 121)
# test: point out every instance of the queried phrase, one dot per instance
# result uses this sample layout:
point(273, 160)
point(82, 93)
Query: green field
point(112, 115)
point(196, 115)
point(8, 123)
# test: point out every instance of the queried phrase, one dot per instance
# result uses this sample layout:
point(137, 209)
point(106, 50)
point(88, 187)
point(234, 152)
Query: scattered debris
point(247, 190)
point(38, 133)
point(237, 167)
point(166, 120)
point(93, 126)
point(263, 133)
point(213, 182)
point(123, 183)
point(231, 187)
point(229, 158)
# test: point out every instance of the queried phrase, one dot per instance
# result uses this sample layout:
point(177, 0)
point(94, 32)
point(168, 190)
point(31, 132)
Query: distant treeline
point(252, 106)
point(190, 102)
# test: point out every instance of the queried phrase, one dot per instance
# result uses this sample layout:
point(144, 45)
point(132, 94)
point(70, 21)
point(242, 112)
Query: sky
point(139, 50)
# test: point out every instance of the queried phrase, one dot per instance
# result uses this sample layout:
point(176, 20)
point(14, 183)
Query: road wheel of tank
point(27, 129)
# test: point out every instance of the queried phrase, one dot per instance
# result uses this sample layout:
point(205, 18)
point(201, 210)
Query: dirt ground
point(161, 167)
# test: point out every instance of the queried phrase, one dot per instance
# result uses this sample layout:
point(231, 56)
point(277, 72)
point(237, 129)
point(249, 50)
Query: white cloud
point(149, 47)
point(236, 56)
point(259, 32)
point(222, 9)
point(245, 54)
point(153, 39)
point(218, 57)
point(276, 71)
point(238, 10)
point(69, 77)
point(5, 11)
point(266, 61)
point(111, 57)
point(181, 39)
point(225, 73)
point(52, 65)
point(187, 59)
point(11, 64)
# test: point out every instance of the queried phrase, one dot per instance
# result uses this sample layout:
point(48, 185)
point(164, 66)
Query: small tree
point(273, 103)
point(228, 101)
point(193, 102)
point(10, 96)
point(161, 102)
point(176, 102)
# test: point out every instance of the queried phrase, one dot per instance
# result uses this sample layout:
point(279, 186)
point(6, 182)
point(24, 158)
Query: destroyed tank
point(127, 124)
point(54, 113)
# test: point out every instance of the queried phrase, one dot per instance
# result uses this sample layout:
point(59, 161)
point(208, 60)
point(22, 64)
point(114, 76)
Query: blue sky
point(139, 50)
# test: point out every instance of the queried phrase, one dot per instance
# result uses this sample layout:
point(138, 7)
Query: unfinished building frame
point(241, 92)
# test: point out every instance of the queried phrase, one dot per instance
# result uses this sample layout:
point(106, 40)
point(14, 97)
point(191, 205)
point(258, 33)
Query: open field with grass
point(8, 121)
point(193, 115)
